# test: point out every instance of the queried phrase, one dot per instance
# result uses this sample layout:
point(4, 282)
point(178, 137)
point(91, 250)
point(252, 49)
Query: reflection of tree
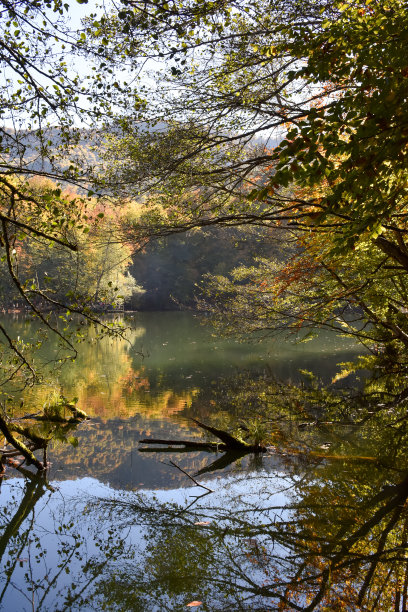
point(56, 563)
point(320, 550)
point(98, 370)
point(36, 486)
point(107, 384)
point(327, 531)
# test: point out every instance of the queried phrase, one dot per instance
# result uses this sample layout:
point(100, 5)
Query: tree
point(331, 78)
point(54, 103)
point(48, 109)
point(96, 273)
point(170, 269)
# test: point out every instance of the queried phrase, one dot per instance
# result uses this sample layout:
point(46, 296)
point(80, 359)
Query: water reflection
point(150, 384)
point(298, 534)
point(167, 357)
point(53, 557)
point(318, 523)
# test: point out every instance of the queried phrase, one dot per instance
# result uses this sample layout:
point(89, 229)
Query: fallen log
point(228, 442)
point(190, 444)
point(28, 433)
point(231, 442)
point(20, 446)
point(35, 442)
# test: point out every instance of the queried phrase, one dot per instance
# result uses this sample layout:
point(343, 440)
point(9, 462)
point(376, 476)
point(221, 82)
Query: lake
point(317, 522)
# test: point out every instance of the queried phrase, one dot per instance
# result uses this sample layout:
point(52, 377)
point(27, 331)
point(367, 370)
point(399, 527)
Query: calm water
point(319, 524)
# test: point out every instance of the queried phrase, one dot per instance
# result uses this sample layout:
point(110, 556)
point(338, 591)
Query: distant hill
point(49, 152)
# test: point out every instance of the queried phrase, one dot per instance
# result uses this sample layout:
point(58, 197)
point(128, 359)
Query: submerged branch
point(18, 445)
point(190, 477)
point(188, 445)
point(228, 442)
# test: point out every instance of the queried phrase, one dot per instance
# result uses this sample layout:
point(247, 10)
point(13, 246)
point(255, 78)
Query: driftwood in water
point(228, 442)
point(231, 442)
point(78, 415)
point(33, 440)
point(19, 445)
point(187, 444)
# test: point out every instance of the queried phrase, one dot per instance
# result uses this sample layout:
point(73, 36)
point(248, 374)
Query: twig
point(188, 475)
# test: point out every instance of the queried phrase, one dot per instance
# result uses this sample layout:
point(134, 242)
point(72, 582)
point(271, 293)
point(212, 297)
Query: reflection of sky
point(67, 523)
point(246, 486)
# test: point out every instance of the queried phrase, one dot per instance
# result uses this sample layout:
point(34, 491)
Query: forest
point(275, 132)
point(244, 163)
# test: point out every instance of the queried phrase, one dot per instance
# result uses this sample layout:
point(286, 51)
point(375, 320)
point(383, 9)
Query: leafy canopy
point(289, 116)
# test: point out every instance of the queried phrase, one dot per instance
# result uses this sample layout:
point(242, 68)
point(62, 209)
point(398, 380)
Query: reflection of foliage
point(99, 363)
point(312, 539)
point(51, 566)
point(31, 432)
point(107, 381)
point(321, 525)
